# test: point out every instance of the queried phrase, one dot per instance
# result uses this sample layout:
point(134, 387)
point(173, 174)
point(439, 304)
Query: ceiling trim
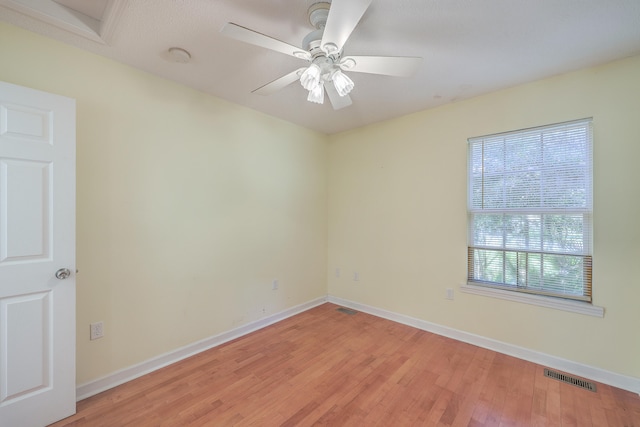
point(112, 14)
point(60, 16)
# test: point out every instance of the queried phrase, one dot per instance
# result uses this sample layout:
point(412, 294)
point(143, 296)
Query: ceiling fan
point(323, 48)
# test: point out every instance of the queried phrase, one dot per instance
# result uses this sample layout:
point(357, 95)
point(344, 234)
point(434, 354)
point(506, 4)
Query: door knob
point(63, 273)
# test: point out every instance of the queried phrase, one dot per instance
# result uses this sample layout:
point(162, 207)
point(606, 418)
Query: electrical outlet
point(274, 285)
point(96, 330)
point(338, 273)
point(356, 277)
point(449, 293)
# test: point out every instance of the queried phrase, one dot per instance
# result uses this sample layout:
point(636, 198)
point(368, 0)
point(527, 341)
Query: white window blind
point(529, 210)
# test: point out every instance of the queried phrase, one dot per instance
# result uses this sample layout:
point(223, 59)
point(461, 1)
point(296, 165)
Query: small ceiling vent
point(587, 385)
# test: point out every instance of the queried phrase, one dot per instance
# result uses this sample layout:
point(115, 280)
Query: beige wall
point(187, 206)
point(397, 215)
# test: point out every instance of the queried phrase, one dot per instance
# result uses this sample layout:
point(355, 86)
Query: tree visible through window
point(529, 210)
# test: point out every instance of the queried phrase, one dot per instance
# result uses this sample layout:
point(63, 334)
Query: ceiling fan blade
point(343, 17)
point(246, 35)
point(399, 66)
point(279, 83)
point(337, 101)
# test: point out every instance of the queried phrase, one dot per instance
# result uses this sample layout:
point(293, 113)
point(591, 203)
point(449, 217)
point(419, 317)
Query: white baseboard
point(596, 374)
point(127, 374)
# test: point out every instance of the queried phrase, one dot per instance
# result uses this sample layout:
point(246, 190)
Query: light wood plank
point(324, 367)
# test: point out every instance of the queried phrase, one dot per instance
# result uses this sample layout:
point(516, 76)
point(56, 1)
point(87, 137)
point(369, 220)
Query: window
point(529, 210)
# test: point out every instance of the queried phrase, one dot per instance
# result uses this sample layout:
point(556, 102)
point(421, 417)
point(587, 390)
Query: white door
point(37, 238)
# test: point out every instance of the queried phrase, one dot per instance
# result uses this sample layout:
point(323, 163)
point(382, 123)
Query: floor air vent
point(347, 311)
point(587, 385)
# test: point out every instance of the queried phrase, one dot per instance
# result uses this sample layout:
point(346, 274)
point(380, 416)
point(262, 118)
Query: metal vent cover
point(346, 311)
point(587, 385)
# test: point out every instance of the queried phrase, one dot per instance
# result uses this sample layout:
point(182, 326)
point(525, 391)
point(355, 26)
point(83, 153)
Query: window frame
point(571, 302)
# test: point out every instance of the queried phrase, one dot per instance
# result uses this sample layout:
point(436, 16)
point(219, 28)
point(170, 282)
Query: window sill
point(542, 301)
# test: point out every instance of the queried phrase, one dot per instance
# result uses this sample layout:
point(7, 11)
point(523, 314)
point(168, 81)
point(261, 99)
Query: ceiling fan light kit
point(323, 48)
point(316, 94)
point(342, 82)
point(310, 78)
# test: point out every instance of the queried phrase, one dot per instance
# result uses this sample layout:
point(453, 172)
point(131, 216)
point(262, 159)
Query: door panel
point(25, 345)
point(24, 123)
point(25, 217)
point(37, 237)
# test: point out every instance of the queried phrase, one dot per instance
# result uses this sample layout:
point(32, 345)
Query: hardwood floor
point(324, 367)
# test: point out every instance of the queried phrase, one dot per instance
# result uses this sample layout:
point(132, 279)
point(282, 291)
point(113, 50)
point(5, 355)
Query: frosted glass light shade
point(343, 84)
point(316, 94)
point(310, 78)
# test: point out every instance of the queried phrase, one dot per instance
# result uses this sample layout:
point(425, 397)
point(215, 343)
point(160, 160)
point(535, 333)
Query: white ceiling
point(469, 47)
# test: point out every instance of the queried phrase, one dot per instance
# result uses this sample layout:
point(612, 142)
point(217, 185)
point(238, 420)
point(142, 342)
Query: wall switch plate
point(337, 272)
point(356, 277)
point(96, 330)
point(274, 285)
